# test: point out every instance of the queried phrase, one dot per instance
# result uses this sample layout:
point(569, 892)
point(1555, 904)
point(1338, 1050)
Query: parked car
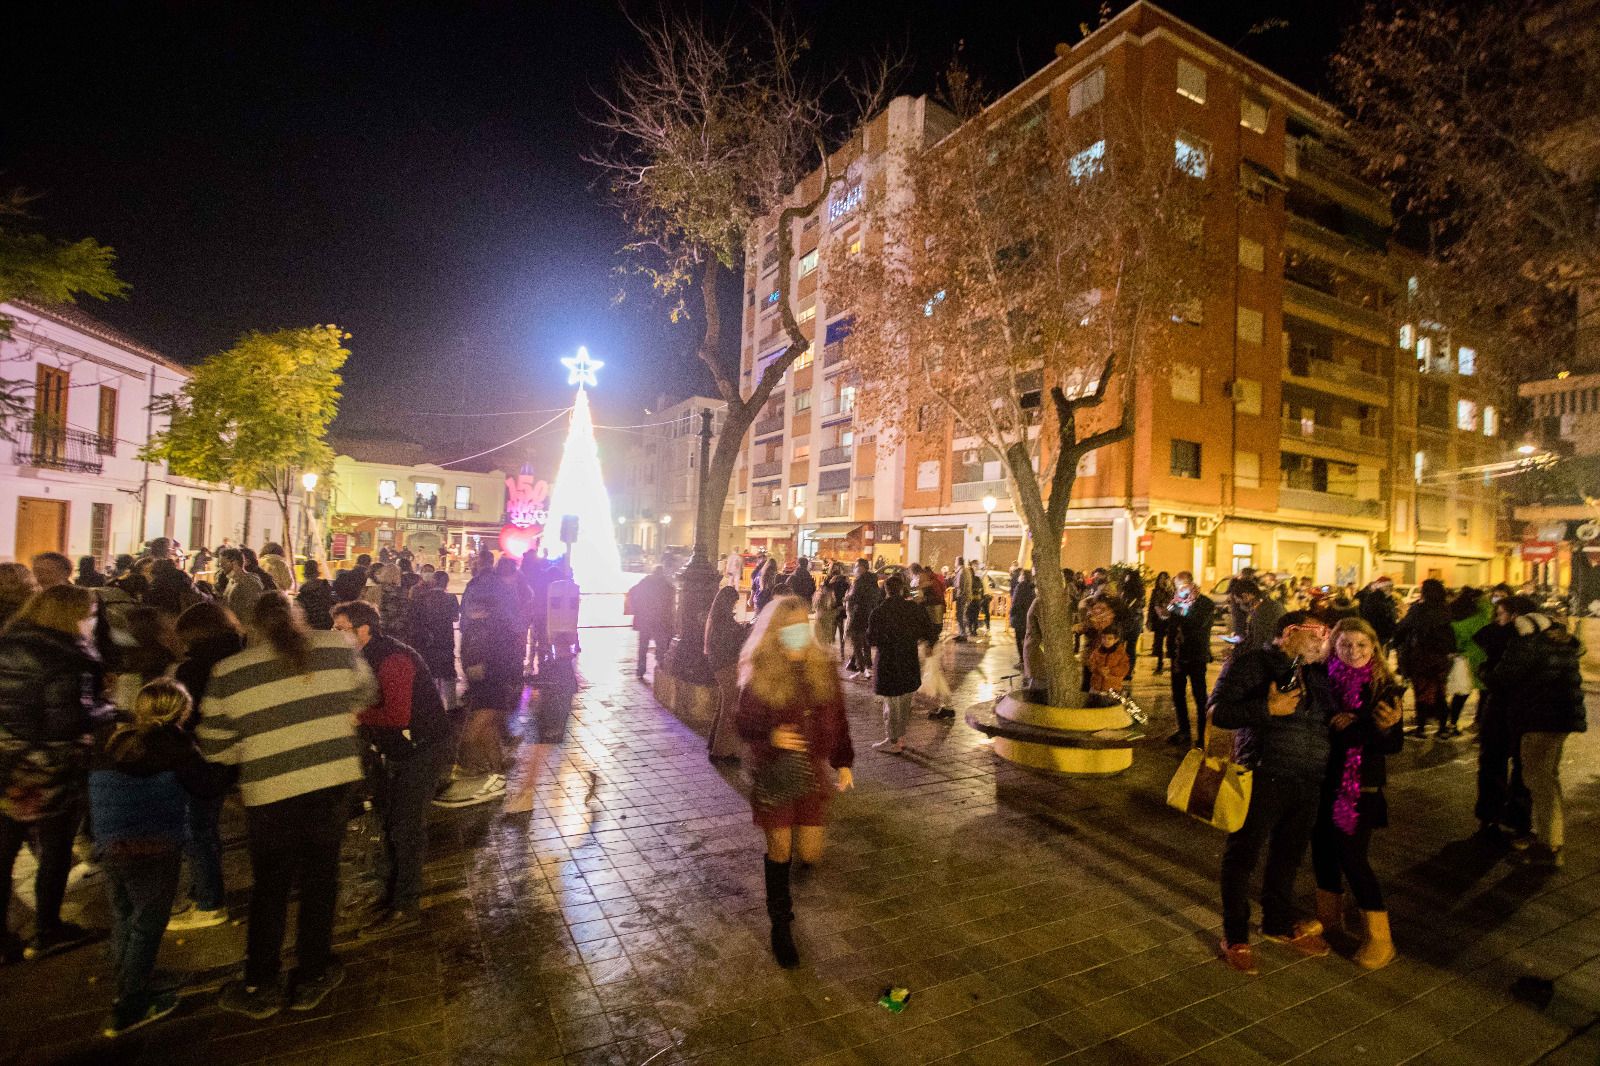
point(632, 555)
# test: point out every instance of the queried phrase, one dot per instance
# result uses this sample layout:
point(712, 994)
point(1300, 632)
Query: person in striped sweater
point(283, 711)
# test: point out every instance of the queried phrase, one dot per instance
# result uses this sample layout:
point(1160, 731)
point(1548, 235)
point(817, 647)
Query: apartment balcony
point(833, 354)
point(974, 491)
point(766, 470)
point(1298, 429)
point(834, 456)
point(768, 512)
point(1336, 247)
point(1326, 171)
point(835, 509)
point(49, 445)
point(768, 426)
point(1334, 313)
point(1328, 503)
point(838, 409)
point(1328, 376)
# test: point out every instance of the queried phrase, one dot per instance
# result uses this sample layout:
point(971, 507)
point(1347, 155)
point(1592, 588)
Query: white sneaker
point(469, 793)
point(195, 918)
point(893, 747)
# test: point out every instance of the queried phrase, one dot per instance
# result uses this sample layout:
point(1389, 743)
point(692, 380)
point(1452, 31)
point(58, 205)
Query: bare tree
point(1018, 275)
point(1483, 119)
point(707, 136)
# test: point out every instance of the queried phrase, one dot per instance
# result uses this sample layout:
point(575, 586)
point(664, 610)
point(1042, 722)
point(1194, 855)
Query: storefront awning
point(833, 530)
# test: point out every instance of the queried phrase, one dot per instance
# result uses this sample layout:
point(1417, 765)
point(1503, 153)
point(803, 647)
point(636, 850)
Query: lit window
point(854, 248)
point(1191, 81)
point(463, 497)
point(1249, 325)
point(808, 262)
point(1088, 92)
point(1424, 354)
point(1412, 285)
point(807, 314)
point(1408, 336)
point(1467, 361)
point(1252, 114)
point(387, 490)
point(1251, 254)
point(847, 399)
point(1089, 162)
point(1191, 155)
point(1246, 472)
point(1186, 383)
point(1491, 422)
point(844, 203)
point(1467, 416)
point(802, 401)
point(1419, 463)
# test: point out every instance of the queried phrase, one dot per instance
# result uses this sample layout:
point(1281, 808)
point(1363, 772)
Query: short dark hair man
point(51, 569)
point(403, 736)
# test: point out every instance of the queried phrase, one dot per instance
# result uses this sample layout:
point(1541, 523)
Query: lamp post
point(309, 481)
point(399, 506)
point(666, 521)
point(989, 504)
point(698, 580)
point(799, 512)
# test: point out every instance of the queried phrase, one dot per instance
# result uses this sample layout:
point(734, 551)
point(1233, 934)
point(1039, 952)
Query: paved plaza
point(1034, 920)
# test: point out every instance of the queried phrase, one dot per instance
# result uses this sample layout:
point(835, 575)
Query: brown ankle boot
point(1377, 950)
point(1330, 912)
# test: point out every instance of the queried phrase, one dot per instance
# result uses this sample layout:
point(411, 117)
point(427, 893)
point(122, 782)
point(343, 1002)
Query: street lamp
point(989, 504)
point(799, 512)
point(309, 512)
point(666, 520)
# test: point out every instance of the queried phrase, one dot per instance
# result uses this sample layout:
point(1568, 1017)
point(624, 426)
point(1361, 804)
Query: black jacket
point(1425, 640)
point(194, 673)
point(1193, 631)
point(651, 600)
point(1294, 745)
point(724, 639)
point(896, 628)
point(50, 686)
point(802, 584)
point(347, 584)
point(1537, 680)
point(1378, 611)
point(433, 627)
point(862, 600)
point(1021, 600)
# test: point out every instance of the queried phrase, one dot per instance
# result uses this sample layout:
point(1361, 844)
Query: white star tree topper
point(581, 369)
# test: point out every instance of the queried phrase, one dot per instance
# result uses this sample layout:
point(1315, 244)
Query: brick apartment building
point(1310, 422)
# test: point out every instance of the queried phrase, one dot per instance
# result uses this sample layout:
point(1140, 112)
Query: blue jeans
point(203, 846)
point(141, 888)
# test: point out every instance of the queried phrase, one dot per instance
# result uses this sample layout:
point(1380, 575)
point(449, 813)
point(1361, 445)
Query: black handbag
point(784, 780)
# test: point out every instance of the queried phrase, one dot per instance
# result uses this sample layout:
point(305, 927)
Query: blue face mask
point(796, 636)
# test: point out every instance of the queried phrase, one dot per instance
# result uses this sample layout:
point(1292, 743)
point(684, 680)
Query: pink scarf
point(1349, 684)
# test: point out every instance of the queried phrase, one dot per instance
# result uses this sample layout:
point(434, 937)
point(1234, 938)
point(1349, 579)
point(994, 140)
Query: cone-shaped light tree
point(1010, 289)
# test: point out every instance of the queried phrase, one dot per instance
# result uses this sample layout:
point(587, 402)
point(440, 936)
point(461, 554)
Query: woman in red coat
point(790, 701)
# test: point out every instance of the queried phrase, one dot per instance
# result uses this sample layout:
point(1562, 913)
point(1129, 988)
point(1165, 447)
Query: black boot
point(780, 908)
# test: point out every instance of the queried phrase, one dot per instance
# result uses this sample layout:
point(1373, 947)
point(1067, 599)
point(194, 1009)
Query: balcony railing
point(1316, 370)
point(772, 469)
point(1328, 503)
point(834, 456)
point(838, 408)
point(769, 425)
point(973, 491)
point(50, 445)
point(1298, 429)
point(833, 354)
point(1334, 308)
point(835, 509)
point(768, 512)
point(1309, 157)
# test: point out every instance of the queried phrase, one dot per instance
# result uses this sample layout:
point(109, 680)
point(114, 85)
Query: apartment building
point(70, 477)
point(656, 476)
point(388, 494)
point(1306, 419)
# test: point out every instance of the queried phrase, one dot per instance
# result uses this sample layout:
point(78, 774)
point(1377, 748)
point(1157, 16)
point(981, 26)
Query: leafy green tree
point(255, 416)
point(39, 268)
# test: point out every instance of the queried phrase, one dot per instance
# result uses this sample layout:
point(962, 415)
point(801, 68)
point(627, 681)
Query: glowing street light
point(309, 480)
point(1526, 449)
point(989, 504)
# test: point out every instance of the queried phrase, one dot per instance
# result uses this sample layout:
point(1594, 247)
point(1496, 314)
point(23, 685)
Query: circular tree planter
point(1093, 741)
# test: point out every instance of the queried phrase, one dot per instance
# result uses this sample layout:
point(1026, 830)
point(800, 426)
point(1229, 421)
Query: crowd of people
point(132, 704)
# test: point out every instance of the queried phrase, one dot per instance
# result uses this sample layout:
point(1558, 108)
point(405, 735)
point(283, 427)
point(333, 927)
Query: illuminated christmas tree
point(580, 490)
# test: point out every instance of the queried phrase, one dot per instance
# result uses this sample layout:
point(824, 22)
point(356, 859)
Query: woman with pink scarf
point(1364, 730)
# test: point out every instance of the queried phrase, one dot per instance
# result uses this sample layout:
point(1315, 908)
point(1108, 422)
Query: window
point(1408, 336)
point(1186, 383)
point(1252, 114)
point(107, 444)
point(844, 203)
point(1185, 459)
point(1191, 155)
point(928, 475)
point(808, 262)
point(1088, 92)
point(802, 360)
point(1249, 325)
point(100, 531)
point(1467, 361)
point(802, 401)
point(1246, 470)
point(806, 314)
point(463, 497)
point(1247, 396)
point(1412, 286)
point(387, 490)
point(1089, 162)
point(1191, 81)
point(854, 247)
point(1251, 254)
point(847, 399)
point(1244, 557)
point(1467, 416)
point(802, 450)
point(1491, 422)
point(1463, 525)
point(1424, 354)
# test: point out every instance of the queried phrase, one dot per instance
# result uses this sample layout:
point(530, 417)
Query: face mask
point(796, 636)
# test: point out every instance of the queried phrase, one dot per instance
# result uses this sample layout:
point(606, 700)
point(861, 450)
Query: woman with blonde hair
point(1364, 729)
point(50, 704)
point(791, 716)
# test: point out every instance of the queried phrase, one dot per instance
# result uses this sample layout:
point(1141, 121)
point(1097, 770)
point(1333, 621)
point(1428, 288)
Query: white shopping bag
point(934, 684)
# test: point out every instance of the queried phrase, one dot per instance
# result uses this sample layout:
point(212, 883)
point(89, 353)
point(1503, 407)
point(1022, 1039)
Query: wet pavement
point(1034, 919)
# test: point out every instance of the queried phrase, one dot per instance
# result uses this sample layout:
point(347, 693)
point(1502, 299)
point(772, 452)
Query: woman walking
point(863, 599)
point(1365, 730)
point(50, 684)
point(724, 638)
point(1159, 618)
point(791, 715)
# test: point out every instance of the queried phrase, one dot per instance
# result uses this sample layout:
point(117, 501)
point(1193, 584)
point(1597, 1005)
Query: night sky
point(414, 173)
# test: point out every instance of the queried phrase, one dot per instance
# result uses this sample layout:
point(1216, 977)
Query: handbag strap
point(1219, 742)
